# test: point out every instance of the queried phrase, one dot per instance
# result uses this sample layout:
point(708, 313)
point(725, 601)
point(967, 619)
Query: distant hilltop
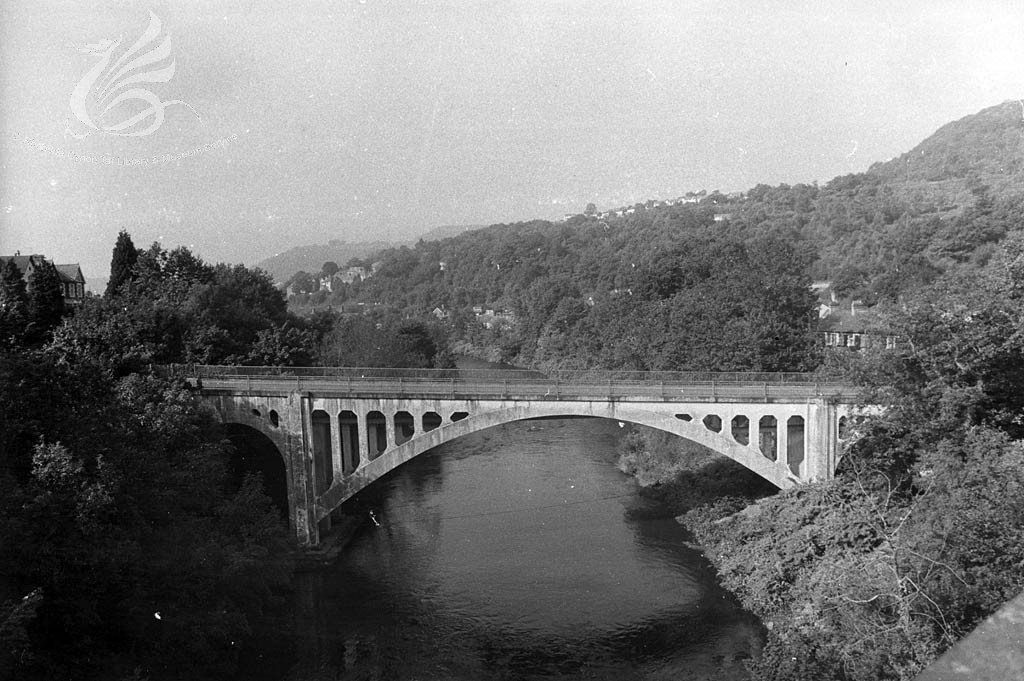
point(978, 157)
point(310, 258)
point(987, 146)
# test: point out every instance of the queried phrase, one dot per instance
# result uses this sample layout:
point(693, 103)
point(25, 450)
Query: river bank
point(680, 476)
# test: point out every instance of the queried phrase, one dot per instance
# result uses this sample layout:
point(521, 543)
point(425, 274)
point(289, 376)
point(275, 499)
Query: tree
point(302, 282)
point(13, 303)
point(45, 301)
point(122, 263)
point(329, 268)
point(873, 574)
point(282, 347)
point(121, 508)
point(416, 344)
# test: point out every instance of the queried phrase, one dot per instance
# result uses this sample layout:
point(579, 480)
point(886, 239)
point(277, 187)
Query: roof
point(24, 262)
point(851, 318)
point(71, 273)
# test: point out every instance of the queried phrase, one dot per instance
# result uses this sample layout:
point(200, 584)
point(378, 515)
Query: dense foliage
point(721, 281)
point(134, 546)
point(872, 575)
point(586, 296)
point(130, 549)
point(383, 341)
point(122, 262)
point(13, 305)
point(45, 302)
point(124, 543)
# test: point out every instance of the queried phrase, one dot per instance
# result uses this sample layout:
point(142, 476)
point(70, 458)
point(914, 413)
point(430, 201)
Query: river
point(518, 552)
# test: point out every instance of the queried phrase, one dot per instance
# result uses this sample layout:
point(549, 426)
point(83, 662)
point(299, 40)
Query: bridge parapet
point(569, 385)
point(562, 375)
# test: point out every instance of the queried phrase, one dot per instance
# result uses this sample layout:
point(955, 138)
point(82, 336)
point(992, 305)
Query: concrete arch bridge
point(339, 429)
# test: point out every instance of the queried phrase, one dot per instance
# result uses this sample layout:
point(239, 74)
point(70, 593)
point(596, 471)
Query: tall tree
point(122, 263)
point(329, 268)
point(302, 282)
point(13, 303)
point(45, 301)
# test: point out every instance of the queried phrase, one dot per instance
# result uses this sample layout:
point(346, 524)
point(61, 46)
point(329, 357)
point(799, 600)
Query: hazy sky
point(309, 120)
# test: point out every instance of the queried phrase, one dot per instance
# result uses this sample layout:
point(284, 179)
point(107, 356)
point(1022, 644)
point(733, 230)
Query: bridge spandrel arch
point(279, 419)
point(661, 416)
point(254, 452)
point(269, 416)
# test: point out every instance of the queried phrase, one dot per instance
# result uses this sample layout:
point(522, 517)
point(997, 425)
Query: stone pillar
point(364, 435)
point(801, 471)
point(337, 447)
point(782, 439)
point(821, 433)
point(389, 427)
point(306, 530)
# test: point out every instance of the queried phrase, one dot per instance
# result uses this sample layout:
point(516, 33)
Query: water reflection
point(513, 554)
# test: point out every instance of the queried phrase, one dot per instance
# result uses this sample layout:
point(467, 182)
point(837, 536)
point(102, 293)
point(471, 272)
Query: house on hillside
point(497, 318)
point(849, 324)
point(352, 274)
point(27, 264)
point(71, 279)
point(73, 283)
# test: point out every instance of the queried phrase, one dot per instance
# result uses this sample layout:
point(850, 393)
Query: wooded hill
point(311, 258)
point(648, 286)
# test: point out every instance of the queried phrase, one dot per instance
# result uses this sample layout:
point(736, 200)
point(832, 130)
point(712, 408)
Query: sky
point(246, 127)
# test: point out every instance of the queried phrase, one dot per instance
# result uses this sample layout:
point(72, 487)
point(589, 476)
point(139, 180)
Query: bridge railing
point(667, 386)
point(469, 375)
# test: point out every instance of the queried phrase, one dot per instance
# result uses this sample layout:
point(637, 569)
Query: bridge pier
point(337, 449)
point(306, 527)
point(782, 440)
point(822, 434)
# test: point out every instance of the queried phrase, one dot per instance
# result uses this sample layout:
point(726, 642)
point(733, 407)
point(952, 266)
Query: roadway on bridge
point(442, 384)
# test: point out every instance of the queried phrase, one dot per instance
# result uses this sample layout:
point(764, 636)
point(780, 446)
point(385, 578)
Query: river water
point(519, 552)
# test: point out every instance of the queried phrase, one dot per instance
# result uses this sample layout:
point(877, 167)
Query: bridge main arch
point(735, 431)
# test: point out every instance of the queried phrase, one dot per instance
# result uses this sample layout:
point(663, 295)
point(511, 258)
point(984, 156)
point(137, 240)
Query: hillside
point(312, 257)
point(988, 145)
point(877, 235)
point(866, 576)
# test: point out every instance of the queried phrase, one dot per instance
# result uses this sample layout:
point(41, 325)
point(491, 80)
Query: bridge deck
point(469, 385)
